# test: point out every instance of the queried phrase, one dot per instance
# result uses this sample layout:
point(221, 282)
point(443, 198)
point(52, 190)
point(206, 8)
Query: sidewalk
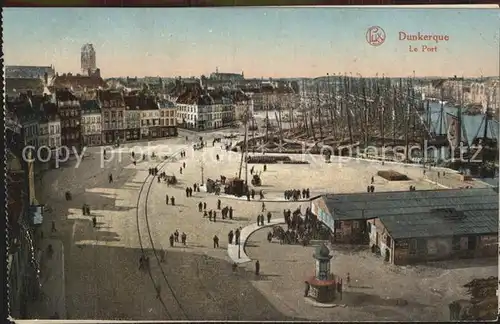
point(232, 249)
point(52, 299)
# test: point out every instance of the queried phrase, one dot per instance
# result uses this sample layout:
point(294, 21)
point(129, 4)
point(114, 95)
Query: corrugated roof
point(419, 225)
point(373, 205)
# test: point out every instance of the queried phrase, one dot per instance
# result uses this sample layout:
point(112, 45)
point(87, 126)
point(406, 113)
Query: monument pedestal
point(323, 291)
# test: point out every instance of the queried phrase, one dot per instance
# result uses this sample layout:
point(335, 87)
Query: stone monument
point(322, 287)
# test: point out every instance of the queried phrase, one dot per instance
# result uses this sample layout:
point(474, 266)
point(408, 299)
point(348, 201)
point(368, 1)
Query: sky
point(261, 42)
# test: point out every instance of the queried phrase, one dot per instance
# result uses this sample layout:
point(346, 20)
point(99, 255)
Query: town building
point(242, 103)
point(150, 117)
point(16, 86)
point(68, 106)
point(29, 72)
point(49, 127)
point(91, 122)
point(78, 84)
point(113, 116)
point(201, 109)
point(88, 60)
point(407, 227)
point(26, 109)
point(168, 119)
point(132, 118)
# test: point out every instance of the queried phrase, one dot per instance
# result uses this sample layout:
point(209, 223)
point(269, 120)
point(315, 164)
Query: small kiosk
point(322, 286)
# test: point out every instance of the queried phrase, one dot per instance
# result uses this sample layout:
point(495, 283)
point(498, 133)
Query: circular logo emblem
point(375, 36)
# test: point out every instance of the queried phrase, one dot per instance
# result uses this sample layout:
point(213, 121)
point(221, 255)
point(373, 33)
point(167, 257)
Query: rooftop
point(23, 85)
point(433, 224)
point(378, 204)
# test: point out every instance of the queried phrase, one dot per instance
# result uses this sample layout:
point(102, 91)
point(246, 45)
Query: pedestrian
point(87, 207)
point(171, 239)
point(237, 236)
point(216, 242)
point(190, 192)
point(218, 203)
point(180, 170)
point(110, 178)
point(269, 215)
point(257, 268)
point(84, 210)
point(166, 199)
point(265, 167)
point(269, 236)
point(53, 229)
point(172, 201)
point(263, 207)
point(205, 214)
point(135, 163)
point(187, 192)
point(176, 236)
point(141, 262)
point(183, 238)
point(373, 180)
point(94, 221)
point(368, 189)
point(258, 220)
point(252, 193)
point(162, 256)
point(204, 206)
point(230, 237)
point(230, 212)
point(158, 291)
point(215, 215)
point(200, 207)
point(184, 165)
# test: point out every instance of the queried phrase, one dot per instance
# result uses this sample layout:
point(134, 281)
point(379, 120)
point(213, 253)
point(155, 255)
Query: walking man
point(216, 242)
point(257, 268)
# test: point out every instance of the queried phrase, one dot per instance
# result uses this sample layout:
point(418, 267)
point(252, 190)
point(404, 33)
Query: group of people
point(251, 194)
point(226, 212)
point(172, 200)
point(86, 212)
point(260, 218)
point(295, 194)
point(174, 238)
point(234, 235)
point(370, 188)
point(252, 169)
point(190, 190)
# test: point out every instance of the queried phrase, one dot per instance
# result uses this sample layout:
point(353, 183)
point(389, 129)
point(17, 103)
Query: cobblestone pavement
point(102, 276)
point(375, 286)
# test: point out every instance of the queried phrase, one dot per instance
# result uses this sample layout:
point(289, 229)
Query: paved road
point(101, 264)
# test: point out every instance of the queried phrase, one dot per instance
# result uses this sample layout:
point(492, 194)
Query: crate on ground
point(392, 175)
point(267, 159)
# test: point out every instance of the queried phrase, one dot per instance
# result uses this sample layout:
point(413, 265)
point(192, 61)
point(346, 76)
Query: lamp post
point(239, 248)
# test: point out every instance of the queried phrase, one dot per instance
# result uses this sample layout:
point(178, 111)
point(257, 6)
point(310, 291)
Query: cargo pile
point(392, 175)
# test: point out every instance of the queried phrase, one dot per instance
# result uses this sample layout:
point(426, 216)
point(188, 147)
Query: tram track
point(150, 179)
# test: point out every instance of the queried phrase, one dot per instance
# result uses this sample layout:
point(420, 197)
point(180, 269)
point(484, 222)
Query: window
point(337, 224)
point(471, 242)
point(355, 224)
point(369, 227)
point(388, 241)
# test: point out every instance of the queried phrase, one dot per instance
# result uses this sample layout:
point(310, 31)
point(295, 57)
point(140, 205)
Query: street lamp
point(239, 248)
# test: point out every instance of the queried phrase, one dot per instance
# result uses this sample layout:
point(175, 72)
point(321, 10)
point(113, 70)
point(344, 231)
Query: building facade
point(49, 127)
point(70, 117)
point(91, 123)
point(113, 116)
point(150, 118)
point(132, 118)
point(168, 119)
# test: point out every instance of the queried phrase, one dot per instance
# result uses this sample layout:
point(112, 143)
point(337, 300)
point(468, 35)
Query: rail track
point(147, 184)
